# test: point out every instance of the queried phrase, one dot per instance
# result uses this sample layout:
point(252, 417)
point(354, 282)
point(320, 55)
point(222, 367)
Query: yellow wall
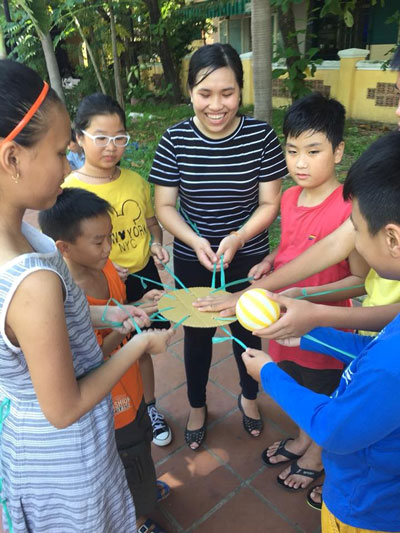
point(347, 80)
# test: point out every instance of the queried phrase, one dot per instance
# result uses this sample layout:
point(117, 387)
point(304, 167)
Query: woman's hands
point(155, 340)
point(204, 253)
point(261, 269)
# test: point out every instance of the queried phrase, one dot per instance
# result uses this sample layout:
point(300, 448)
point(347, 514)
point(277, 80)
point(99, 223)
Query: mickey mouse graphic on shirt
point(129, 225)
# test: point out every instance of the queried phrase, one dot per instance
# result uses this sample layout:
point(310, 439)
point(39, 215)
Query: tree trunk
point(262, 58)
point(287, 28)
point(51, 63)
point(117, 74)
point(89, 49)
point(170, 74)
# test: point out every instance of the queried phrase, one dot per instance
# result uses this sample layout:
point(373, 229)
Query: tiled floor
point(223, 487)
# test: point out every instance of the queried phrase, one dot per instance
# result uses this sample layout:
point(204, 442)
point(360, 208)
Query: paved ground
point(224, 487)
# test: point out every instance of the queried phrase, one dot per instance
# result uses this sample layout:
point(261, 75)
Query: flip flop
point(281, 450)
point(312, 503)
point(296, 469)
point(163, 490)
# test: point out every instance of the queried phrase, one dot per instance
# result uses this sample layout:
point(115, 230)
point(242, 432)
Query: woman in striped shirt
point(225, 169)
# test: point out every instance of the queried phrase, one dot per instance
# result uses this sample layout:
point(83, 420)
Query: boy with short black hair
point(80, 225)
point(358, 427)
point(313, 129)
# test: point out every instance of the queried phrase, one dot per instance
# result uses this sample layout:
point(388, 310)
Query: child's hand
point(205, 254)
point(293, 292)
point(160, 255)
point(254, 360)
point(153, 296)
point(116, 314)
point(260, 270)
point(225, 304)
point(156, 340)
point(123, 272)
point(299, 317)
point(229, 246)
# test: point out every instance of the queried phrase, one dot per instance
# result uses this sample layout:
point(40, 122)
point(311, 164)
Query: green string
point(143, 279)
point(214, 276)
point(4, 411)
point(175, 278)
point(322, 293)
point(191, 224)
point(311, 338)
point(222, 271)
point(231, 283)
point(118, 324)
point(217, 340)
point(180, 321)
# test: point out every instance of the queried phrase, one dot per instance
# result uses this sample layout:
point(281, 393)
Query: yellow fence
point(367, 91)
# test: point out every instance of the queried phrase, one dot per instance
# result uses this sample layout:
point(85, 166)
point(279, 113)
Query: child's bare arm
point(334, 248)
point(302, 316)
point(111, 342)
point(36, 322)
point(348, 287)
point(159, 253)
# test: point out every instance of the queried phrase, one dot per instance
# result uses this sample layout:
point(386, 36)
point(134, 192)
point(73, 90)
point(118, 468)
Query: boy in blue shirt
point(358, 426)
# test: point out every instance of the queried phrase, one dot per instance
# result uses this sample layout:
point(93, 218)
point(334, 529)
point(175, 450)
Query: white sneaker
point(162, 434)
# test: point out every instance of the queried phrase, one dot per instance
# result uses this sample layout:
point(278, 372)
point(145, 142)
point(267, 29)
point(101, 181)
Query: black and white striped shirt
point(218, 179)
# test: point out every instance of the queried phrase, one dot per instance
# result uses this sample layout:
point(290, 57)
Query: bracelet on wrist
point(155, 244)
point(237, 234)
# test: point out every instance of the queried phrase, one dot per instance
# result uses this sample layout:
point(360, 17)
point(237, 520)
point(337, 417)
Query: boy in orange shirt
point(80, 225)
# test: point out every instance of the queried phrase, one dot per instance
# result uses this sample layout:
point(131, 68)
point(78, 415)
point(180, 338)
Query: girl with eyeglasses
point(59, 466)
point(137, 238)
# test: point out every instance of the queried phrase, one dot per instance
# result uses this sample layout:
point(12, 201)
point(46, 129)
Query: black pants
point(198, 341)
point(134, 447)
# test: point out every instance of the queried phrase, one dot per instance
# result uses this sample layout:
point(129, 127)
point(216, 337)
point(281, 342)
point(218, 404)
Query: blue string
point(142, 280)
point(4, 411)
point(322, 293)
point(231, 283)
point(222, 282)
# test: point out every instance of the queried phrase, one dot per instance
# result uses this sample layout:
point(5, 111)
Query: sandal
point(196, 435)
point(250, 424)
point(163, 490)
point(281, 450)
point(312, 503)
point(150, 527)
point(296, 469)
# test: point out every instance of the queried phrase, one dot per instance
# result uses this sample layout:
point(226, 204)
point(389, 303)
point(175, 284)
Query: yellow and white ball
point(255, 310)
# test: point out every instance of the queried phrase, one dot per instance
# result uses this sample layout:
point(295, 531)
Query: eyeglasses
point(104, 140)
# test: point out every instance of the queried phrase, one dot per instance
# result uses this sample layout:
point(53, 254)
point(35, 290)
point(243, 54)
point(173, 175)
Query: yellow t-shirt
point(380, 292)
point(129, 196)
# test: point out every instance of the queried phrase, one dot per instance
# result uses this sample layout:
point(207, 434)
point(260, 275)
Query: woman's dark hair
point(96, 104)
point(19, 88)
point(212, 57)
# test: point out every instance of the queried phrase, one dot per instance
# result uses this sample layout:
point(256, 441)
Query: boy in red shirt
point(80, 225)
point(313, 129)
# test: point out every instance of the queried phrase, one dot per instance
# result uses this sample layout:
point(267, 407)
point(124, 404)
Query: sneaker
point(162, 435)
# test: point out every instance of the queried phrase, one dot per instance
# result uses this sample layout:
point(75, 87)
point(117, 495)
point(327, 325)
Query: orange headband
point(27, 117)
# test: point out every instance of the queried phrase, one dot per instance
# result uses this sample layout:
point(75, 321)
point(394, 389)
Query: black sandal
point(296, 469)
point(196, 435)
point(312, 503)
point(250, 424)
point(281, 450)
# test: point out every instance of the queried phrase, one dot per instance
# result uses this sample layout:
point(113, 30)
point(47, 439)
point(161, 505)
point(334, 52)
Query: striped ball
point(255, 310)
